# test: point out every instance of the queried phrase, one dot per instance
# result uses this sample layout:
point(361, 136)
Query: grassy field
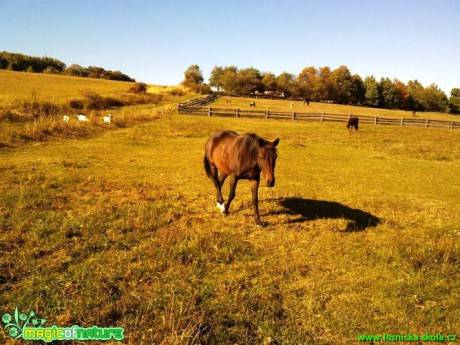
point(121, 229)
point(32, 106)
point(54, 88)
point(61, 88)
point(315, 107)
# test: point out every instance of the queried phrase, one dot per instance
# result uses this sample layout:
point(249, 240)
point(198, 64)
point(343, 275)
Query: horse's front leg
point(231, 195)
point(255, 200)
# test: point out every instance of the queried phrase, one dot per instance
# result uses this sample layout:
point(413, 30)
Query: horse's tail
point(207, 166)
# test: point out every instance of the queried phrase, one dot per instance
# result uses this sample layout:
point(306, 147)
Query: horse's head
point(267, 159)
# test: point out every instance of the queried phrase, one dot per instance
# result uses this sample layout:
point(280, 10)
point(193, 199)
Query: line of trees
point(25, 63)
point(326, 85)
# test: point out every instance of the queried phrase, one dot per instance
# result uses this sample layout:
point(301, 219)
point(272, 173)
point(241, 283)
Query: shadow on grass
point(319, 209)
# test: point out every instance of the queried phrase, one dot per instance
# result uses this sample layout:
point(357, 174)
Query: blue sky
point(155, 41)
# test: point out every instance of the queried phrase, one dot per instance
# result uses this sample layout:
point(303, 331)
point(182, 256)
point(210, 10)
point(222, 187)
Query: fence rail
point(197, 102)
point(195, 107)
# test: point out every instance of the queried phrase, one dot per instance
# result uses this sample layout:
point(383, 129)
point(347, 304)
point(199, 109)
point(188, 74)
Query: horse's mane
point(250, 142)
point(251, 145)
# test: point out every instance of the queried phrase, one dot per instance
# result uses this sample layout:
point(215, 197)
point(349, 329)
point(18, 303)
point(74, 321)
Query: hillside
point(57, 88)
point(62, 89)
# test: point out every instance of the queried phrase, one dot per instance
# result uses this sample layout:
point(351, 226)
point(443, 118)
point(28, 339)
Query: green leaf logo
point(15, 324)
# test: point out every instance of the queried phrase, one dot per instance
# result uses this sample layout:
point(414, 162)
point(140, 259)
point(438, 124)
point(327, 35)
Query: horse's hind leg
point(221, 177)
point(218, 178)
point(231, 195)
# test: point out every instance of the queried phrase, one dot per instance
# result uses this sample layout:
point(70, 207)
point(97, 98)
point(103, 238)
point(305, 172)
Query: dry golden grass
point(315, 107)
point(53, 88)
point(32, 106)
point(122, 230)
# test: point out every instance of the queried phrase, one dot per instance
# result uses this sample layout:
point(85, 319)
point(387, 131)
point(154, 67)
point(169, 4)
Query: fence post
point(237, 112)
point(376, 120)
point(293, 116)
point(427, 123)
point(209, 111)
point(402, 121)
point(267, 113)
point(452, 125)
point(322, 117)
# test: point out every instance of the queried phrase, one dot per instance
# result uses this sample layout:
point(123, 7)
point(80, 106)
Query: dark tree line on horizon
point(25, 63)
point(325, 85)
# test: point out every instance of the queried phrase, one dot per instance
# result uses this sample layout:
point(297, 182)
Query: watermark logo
point(30, 327)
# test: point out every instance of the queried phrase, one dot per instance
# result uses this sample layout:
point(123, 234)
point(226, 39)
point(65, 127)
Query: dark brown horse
point(242, 157)
point(353, 123)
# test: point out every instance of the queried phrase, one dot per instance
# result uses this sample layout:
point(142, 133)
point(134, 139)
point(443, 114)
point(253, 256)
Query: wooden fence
point(197, 102)
point(195, 109)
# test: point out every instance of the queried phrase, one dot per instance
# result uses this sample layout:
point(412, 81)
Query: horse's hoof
point(221, 207)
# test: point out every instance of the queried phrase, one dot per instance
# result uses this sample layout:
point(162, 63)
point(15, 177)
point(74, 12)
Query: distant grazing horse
point(242, 157)
point(252, 104)
point(353, 122)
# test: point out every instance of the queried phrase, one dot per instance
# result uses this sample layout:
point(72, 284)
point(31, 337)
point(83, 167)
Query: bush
point(93, 101)
point(76, 104)
point(202, 89)
point(138, 88)
point(111, 102)
point(176, 92)
point(8, 115)
point(23, 111)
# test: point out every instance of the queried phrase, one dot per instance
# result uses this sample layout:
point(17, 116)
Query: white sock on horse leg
point(221, 207)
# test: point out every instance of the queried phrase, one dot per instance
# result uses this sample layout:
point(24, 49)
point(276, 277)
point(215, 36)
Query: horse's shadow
point(308, 209)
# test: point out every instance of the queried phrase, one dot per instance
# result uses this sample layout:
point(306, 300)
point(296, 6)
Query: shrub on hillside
point(10, 116)
point(135, 99)
point(93, 101)
point(202, 89)
point(138, 88)
point(177, 92)
point(76, 104)
point(112, 102)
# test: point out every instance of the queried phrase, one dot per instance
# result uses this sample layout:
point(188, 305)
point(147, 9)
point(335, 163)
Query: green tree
point(216, 77)
point(327, 89)
point(416, 91)
point(74, 70)
point(372, 92)
point(358, 90)
point(248, 81)
point(95, 72)
point(343, 82)
point(286, 84)
point(434, 99)
point(229, 79)
point(454, 101)
point(387, 93)
point(193, 76)
point(269, 81)
point(51, 70)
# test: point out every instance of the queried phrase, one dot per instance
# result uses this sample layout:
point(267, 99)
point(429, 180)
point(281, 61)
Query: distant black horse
point(252, 104)
point(242, 157)
point(353, 122)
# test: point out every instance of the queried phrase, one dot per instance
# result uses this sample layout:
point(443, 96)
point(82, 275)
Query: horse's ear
point(261, 142)
point(276, 141)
